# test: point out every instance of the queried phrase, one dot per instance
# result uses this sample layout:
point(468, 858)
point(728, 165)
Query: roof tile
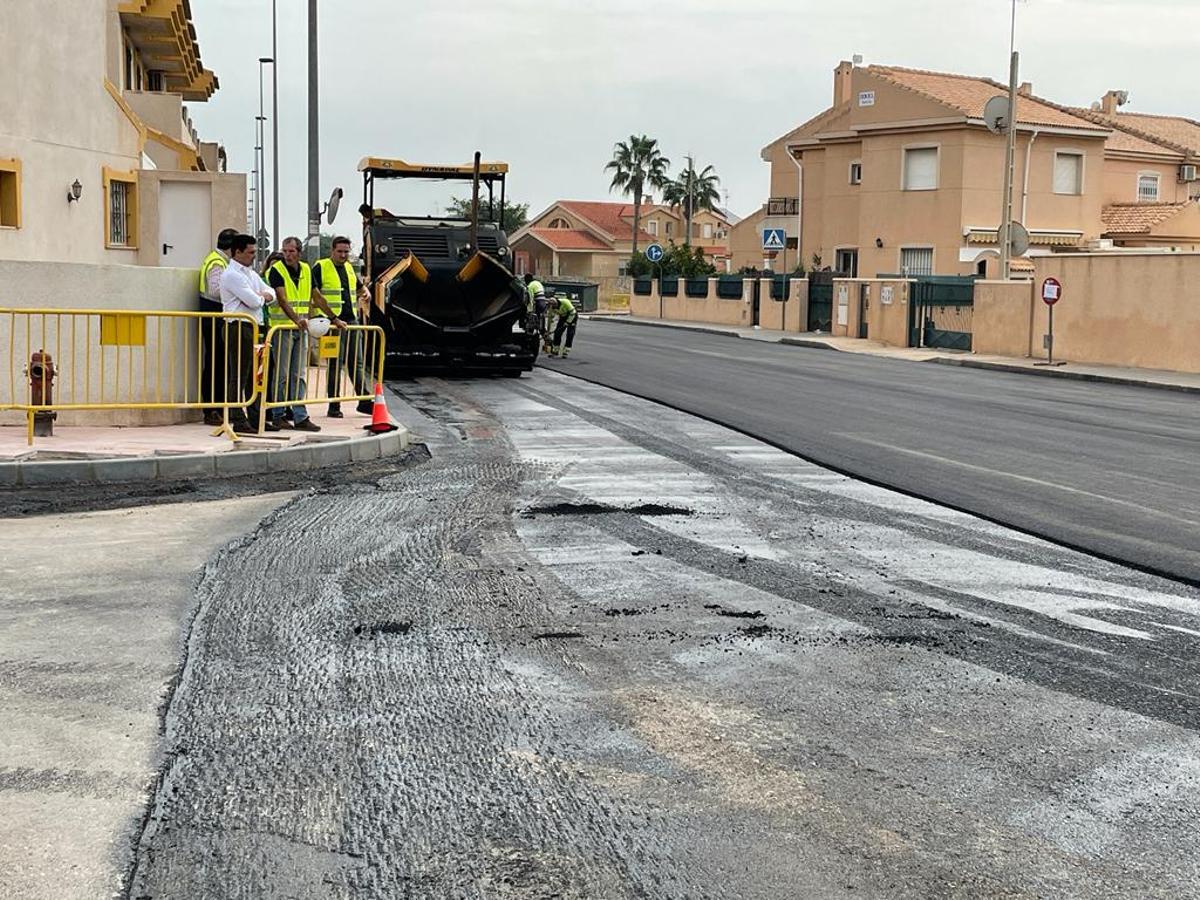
point(969, 94)
point(1137, 218)
point(570, 239)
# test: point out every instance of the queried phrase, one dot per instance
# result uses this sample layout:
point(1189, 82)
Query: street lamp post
point(275, 119)
point(314, 152)
point(261, 160)
point(1010, 151)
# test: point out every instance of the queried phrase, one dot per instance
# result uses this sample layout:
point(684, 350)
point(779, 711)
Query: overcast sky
point(550, 85)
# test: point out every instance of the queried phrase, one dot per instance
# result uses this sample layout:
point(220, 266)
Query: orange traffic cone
point(381, 422)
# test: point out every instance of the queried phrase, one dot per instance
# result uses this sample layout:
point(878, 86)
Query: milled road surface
point(1106, 468)
point(596, 648)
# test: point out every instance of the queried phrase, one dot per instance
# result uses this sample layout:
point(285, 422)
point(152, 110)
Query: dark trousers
point(240, 372)
point(351, 358)
point(212, 356)
point(568, 327)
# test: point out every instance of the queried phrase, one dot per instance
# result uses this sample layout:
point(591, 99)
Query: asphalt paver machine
point(441, 287)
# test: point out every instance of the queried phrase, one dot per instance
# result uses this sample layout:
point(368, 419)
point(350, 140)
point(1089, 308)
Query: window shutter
point(1068, 172)
point(920, 169)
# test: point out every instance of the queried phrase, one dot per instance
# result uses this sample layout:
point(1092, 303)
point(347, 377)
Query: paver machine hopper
point(441, 286)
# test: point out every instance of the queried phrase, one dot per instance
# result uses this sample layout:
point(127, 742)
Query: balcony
point(783, 206)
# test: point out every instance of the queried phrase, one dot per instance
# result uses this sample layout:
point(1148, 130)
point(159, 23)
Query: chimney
point(1026, 89)
point(841, 82)
point(1111, 100)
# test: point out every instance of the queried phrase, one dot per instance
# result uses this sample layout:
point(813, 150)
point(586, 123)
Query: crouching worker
point(567, 319)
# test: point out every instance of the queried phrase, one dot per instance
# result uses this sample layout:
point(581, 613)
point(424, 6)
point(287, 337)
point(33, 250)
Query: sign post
point(1051, 294)
point(655, 253)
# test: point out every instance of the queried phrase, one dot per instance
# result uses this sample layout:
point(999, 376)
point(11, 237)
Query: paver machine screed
point(441, 287)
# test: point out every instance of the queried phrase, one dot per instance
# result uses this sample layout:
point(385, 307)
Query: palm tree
point(693, 190)
point(637, 165)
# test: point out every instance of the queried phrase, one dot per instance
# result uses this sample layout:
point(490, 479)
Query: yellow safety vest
point(331, 286)
point(298, 296)
point(216, 258)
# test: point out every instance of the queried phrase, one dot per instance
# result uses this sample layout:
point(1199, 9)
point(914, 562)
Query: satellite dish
point(1097, 106)
point(995, 114)
point(1018, 239)
point(331, 208)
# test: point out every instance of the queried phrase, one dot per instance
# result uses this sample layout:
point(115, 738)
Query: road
point(599, 649)
point(1106, 468)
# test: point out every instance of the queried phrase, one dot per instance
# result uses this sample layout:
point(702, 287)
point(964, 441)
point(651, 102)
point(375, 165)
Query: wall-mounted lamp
point(879, 243)
point(74, 192)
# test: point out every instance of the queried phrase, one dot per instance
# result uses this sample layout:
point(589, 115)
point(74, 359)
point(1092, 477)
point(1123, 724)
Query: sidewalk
point(117, 453)
point(1154, 378)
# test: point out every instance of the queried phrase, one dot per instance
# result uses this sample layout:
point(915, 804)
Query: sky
point(550, 85)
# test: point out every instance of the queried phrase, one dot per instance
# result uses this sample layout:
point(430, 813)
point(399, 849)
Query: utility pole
point(275, 235)
point(314, 150)
point(689, 200)
point(1010, 152)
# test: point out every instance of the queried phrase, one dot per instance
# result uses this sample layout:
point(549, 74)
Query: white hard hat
point(319, 327)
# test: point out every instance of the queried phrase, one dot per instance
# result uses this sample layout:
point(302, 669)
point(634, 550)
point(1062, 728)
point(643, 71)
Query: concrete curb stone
point(30, 473)
point(964, 362)
point(700, 328)
point(1064, 373)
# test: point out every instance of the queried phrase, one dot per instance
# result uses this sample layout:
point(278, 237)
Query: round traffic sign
point(654, 253)
point(1051, 291)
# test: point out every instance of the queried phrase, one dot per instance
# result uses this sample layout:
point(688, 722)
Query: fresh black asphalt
point(1105, 468)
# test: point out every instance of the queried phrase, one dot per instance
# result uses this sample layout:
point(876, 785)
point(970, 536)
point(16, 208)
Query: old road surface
point(1106, 468)
point(597, 648)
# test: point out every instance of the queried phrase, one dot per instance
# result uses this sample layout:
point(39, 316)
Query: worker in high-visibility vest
point(536, 305)
point(296, 295)
point(568, 317)
point(335, 277)
point(212, 332)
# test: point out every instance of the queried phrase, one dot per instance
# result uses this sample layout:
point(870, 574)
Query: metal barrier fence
point(96, 359)
point(348, 364)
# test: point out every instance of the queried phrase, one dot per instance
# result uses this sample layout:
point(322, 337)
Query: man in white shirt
point(243, 291)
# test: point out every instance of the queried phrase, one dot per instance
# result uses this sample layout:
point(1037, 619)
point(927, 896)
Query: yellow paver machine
point(441, 287)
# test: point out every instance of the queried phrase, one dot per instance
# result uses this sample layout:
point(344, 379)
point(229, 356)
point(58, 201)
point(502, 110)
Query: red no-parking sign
point(1051, 291)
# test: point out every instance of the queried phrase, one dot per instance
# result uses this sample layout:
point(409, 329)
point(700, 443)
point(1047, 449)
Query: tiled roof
point(608, 217)
point(969, 94)
point(814, 125)
point(1137, 218)
point(1181, 132)
point(570, 239)
point(1142, 133)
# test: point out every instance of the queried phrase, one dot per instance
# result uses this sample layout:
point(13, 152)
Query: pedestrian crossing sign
point(774, 239)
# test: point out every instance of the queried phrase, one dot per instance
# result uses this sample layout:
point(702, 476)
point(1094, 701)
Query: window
point(120, 196)
point(560, 223)
point(856, 173)
point(154, 80)
point(652, 227)
point(846, 262)
point(10, 193)
point(1068, 173)
point(921, 169)
point(622, 267)
point(708, 232)
point(1148, 187)
point(669, 228)
point(128, 67)
point(916, 261)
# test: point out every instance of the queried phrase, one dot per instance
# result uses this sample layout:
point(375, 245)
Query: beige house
point(901, 175)
point(581, 239)
point(99, 160)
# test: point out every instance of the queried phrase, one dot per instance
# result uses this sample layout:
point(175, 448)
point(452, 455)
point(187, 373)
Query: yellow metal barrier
point(125, 359)
point(298, 369)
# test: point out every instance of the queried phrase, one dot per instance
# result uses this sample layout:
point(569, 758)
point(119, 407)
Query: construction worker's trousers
point(568, 326)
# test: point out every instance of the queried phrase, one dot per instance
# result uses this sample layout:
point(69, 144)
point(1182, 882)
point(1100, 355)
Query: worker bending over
point(564, 309)
point(536, 305)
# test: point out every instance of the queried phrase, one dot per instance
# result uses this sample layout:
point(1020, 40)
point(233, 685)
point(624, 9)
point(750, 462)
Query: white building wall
point(61, 123)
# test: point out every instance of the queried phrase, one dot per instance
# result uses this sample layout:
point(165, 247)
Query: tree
point(637, 165)
point(693, 190)
point(516, 215)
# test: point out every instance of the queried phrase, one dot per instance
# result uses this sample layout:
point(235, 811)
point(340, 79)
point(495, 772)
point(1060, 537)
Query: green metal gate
point(941, 313)
point(820, 302)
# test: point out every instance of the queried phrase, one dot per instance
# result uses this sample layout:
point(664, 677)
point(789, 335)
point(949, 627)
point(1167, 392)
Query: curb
point(1063, 373)
point(966, 362)
point(315, 455)
point(647, 324)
